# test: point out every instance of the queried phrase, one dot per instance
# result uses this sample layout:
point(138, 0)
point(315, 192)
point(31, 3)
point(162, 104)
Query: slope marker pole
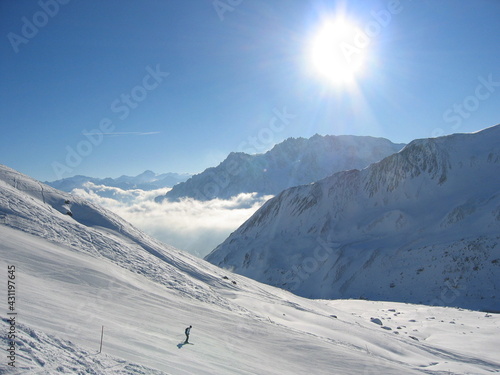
point(102, 335)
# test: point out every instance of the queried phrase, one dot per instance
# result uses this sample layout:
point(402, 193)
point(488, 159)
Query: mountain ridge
point(82, 272)
point(294, 161)
point(147, 180)
point(423, 196)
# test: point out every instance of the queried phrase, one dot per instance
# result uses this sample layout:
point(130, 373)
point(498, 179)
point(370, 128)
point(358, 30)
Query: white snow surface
point(76, 273)
point(420, 226)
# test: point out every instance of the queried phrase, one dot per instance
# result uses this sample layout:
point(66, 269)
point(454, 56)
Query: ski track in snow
point(41, 354)
point(78, 273)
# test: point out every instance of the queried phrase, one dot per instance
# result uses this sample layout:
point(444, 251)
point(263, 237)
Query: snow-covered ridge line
point(80, 268)
point(35, 208)
point(292, 162)
point(410, 228)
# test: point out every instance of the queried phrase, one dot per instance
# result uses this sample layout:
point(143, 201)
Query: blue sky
point(105, 88)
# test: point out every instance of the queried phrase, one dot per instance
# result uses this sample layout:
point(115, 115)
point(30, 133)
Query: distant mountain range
point(147, 180)
point(422, 225)
point(76, 271)
point(295, 161)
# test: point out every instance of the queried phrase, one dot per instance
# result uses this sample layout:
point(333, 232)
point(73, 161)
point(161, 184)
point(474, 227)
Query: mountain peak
point(373, 231)
point(95, 269)
point(147, 173)
point(295, 161)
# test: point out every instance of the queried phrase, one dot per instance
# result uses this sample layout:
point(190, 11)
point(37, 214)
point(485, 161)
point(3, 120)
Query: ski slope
point(76, 273)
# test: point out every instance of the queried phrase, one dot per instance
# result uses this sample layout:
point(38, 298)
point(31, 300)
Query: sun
point(335, 53)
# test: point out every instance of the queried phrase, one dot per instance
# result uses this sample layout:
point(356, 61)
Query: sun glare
point(334, 53)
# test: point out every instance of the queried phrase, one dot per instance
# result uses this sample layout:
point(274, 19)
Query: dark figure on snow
point(187, 331)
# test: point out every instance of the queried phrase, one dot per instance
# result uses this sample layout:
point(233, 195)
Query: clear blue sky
point(174, 86)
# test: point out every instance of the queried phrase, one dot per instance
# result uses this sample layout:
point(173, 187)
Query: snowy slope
point(295, 161)
point(76, 273)
point(420, 226)
point(147, 180)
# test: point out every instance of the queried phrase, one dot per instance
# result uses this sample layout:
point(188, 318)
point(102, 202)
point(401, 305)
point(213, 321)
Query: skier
point(187, 331)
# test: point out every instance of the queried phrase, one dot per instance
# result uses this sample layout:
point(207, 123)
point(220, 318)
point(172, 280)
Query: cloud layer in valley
point(191, 225)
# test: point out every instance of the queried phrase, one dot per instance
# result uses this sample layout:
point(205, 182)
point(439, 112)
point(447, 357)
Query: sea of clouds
point(190, 225)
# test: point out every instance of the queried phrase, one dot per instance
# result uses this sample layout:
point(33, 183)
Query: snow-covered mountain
point(420, 226)
point(77, 271)
point(295, 161)
point(147, 180)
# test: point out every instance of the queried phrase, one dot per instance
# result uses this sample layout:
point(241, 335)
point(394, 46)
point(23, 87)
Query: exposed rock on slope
point(421, 226)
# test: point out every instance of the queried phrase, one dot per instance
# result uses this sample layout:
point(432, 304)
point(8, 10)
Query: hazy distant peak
point(295, 161)
point(434, 207)
point(147, 180)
